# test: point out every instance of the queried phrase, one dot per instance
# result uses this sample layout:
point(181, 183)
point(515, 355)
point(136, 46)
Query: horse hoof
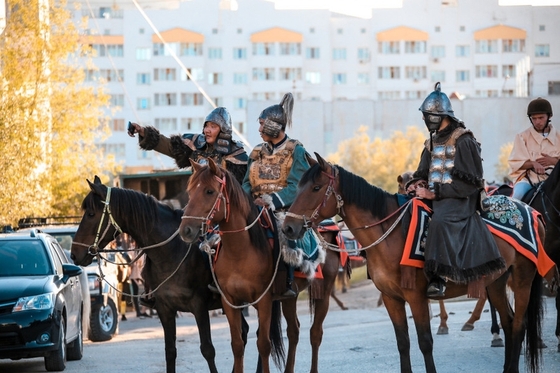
point(542, 344)
point(558, 347)
point(498, 342)
point(442, 330)
point(467, 327)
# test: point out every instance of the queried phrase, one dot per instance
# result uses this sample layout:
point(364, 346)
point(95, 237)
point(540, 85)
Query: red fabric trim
point(406, 257)
point(318, 273)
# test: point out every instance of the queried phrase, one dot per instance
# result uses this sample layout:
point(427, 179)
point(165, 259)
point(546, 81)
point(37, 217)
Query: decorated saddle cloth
point(511, 220)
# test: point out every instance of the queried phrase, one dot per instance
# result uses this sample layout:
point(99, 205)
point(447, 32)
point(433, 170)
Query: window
point(240, 126)
point(290, 49)
point(215, 53)
point(389, 47)
point(165, 99)
point(313, 77)
point(290, 73)
point(462, 75)
point(197, 74)
point(339, 53)
point(240, 78)
point(437, 29)
point(414, 47)
point(486, 46)
point(389, 95)
point(339, 78)
point(159, 49)
point(142, 78)
point(508, 93)
point(438, 51)
point(312, 30)
point(165, 75)
point(109, 50)
point(264, 96)
point(487, 71)
point(191, 124)
point(438, 76)
point(239, 53)
point(214, 30)
point(364, 55)
point(508, 71)
point(415, 72)
point(412, 95)
point(239, 31)
point(312, 53)
point(215, 78)
point(141, 31)
point(554, 88)
point(143, 54)
point(263, 73)
point(166, 124)
point(363, 30)
point(118, 150)
point(239, 103)
point(513, 46)
point(542, 50)
point(143, 154)
point(143, 103)
point(190, 49)
point(462, 28)
point(388, 72)
point(263, 49)
point(462, 50)
point(542, 28)
point(486, 93)
point(339, 31)
point(219, 101)
point(191, 99)
point(117, 100)
point(363, 78)
point(117, 124)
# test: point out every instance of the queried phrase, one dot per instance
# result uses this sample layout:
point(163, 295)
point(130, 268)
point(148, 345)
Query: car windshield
point(64, 239)
point(23, 258)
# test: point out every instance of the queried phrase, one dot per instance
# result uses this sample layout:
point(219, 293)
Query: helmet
point(435, 107)
point(221, 117)
point(539, 106)
point(277, 117)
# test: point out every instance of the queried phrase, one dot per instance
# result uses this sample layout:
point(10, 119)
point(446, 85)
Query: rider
point(458, 247)
point(535, 149)
point(275, 166)
point(215, 142)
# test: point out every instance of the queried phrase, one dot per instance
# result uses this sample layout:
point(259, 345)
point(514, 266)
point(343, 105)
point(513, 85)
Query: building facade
point(167, 65)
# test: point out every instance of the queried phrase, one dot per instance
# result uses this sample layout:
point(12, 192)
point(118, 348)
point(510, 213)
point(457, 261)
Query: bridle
point(221, 197)
point(308, 222)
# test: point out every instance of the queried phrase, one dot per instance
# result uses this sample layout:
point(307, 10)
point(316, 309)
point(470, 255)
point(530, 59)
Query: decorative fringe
point(408, 277)
point(463, 276)
point(476, 289)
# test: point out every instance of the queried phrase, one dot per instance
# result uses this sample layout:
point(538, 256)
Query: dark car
point(104, 319)
point(41, 302)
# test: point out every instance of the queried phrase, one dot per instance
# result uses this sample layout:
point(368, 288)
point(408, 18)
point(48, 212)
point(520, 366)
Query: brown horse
point(245, 267)
point(370, 214)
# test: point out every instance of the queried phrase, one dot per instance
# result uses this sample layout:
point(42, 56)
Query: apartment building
point(163, 63)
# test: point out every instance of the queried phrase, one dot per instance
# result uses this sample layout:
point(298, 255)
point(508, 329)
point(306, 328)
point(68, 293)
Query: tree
point(381, 161)
point(50, 119)
point(502, 166)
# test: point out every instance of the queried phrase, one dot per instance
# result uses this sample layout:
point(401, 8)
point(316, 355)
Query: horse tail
point(276, 339)
point(534, 318)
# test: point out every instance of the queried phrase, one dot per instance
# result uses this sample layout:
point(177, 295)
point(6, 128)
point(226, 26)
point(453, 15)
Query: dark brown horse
point(369, 212)
point(178, 271)
point(245, 267)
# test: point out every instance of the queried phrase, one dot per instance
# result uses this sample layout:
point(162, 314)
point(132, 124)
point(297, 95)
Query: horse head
point(208, 200)
point(96, 229)
point(317, 198)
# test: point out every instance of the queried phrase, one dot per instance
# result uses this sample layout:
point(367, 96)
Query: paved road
point(357, 340)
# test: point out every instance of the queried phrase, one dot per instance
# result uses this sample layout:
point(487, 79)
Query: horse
point(178, 272)
point(246, 267)
point(371, 215)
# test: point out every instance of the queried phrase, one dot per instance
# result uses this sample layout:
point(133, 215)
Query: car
point(104, 317)
point(41, 301)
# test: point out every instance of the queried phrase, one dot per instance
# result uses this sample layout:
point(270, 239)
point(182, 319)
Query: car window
point(57, 260)
point(23, 258)
point(64, 239)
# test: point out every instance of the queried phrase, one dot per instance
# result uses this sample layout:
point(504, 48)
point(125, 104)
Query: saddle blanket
point(513, 221)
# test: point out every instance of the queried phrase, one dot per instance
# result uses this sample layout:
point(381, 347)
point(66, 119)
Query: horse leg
point(237, 346)
point(497, 341)
point(443, 316)
point(420, 309)
point(338, 301)
point(320, 309)
point(557, 332)
point(264, 345)
point(289, 309)
point(397, 313)
point(168, 322)
point(202, 319)
point(475, 315)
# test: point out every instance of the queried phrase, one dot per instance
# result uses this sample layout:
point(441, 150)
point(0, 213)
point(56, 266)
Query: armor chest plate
point(443, 157)
point(269, 173)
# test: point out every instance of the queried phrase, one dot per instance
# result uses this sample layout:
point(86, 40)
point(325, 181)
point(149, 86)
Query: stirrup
point(436, 288)
point(148, 302)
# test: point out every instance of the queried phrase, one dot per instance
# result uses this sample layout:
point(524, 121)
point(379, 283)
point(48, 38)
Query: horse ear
point(97, 180)
point(310, 159)
point(322, 163)
point(97, 187)
point(214, 167)
point(195, 165)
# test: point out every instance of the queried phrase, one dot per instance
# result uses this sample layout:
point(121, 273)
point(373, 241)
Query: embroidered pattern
point(504, 210)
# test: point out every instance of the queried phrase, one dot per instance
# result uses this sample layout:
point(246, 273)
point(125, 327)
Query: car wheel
point(75, 350)
point(103, 321)
point(55, 361)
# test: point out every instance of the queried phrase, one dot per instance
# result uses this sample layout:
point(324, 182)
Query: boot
point(289, 293)
point(436, 288)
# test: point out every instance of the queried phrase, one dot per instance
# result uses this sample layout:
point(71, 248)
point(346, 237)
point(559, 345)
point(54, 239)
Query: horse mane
point(550, 184)
point(354, 190)
point(141, 210)
point(238, 200)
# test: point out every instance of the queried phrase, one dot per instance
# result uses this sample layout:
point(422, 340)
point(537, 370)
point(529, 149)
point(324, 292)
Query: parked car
point(41, 302)
point(104, 317)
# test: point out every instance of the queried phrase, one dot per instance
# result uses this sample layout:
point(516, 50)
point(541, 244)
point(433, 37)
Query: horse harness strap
point(94, 249)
